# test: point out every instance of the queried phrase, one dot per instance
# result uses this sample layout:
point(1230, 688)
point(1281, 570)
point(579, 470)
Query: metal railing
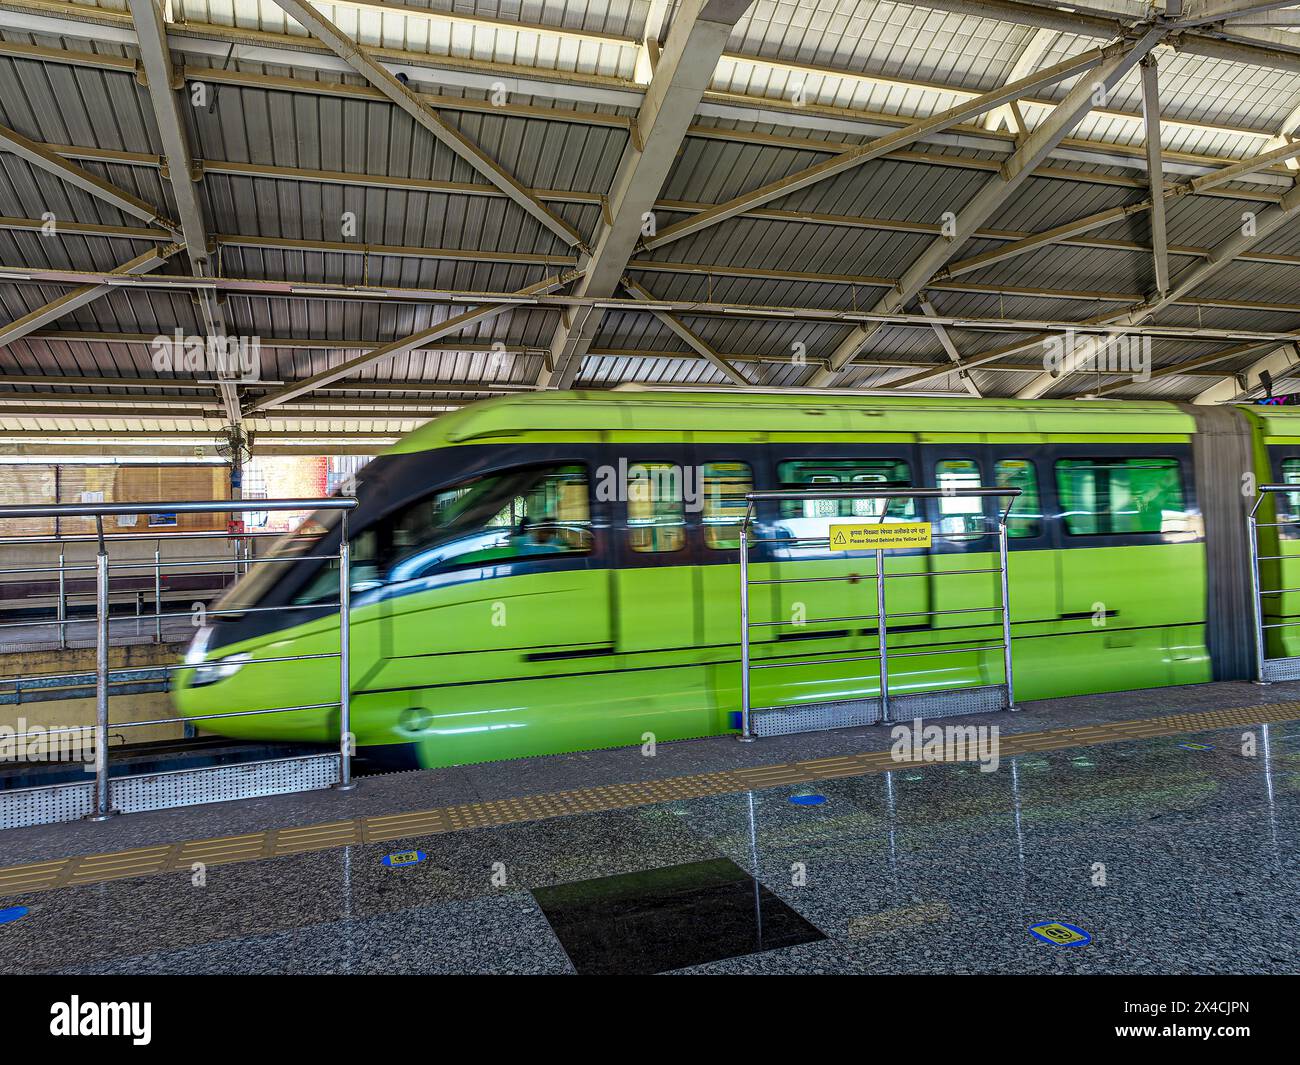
point(1268, 669)
point(102, 807)
point(881, 616)
point(241, 553)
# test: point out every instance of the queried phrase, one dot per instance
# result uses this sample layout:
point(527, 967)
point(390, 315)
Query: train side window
point(1288, 506)
point(1108, 497)
point(810, 519)
point(1026, 517)
point(845, 473)
point(656, 507)
point(723, 486)
point(959, 516)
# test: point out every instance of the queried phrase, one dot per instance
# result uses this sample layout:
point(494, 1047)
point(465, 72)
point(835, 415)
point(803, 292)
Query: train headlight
point(211, 672)
point(206, 672)
point(198, 649)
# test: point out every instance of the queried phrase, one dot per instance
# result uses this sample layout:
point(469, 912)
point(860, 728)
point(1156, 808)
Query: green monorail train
point(523, 585)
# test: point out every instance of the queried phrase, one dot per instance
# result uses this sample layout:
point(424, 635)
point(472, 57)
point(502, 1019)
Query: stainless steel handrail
point(880, 576)
point(102, 807)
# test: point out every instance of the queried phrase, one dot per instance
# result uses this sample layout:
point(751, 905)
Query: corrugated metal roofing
point(800, 80)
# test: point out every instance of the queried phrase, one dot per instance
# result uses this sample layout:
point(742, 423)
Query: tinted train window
point(1105, 497)
point(1026, 517)
point(656, 507)
point(1288, 504)
point(724, 485)
point(959, 516)
point(845, 473)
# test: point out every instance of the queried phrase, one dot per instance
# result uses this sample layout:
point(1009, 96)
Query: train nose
point(209, 672)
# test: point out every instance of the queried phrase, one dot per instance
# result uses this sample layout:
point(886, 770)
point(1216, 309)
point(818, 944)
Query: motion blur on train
point(523, 584)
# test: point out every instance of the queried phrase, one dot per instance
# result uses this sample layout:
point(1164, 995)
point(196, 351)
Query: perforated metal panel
point(814, 717)
point(160, 791)
point(192, 787)
point(817, 717)
point(50, 805)
point(1281, 669)
point(948, 703)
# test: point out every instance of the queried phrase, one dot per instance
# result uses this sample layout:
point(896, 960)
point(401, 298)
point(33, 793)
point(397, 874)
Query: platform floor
point(933, 868)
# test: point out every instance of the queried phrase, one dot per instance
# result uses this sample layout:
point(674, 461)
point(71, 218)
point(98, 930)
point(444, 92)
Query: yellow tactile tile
point(144, 861)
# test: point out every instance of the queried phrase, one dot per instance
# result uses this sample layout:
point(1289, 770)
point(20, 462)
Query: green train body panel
point(454, 671)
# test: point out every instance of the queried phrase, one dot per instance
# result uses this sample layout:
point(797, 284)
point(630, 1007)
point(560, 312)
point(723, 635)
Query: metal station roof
point(345, 182)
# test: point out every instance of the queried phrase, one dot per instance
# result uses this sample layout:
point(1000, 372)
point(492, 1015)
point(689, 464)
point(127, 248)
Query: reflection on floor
point(1170, 858)
point(669, 918)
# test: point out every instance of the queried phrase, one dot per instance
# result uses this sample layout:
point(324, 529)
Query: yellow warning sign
point(894, 536)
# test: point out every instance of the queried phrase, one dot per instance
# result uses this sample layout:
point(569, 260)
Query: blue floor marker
point(1060, 934)
point(808, 800)
point(1197, 746)
point(13, 913)
point(401, 858)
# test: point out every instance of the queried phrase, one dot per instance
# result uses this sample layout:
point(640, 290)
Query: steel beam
point(378, 75)
point(696, 38)
point(79, 297)
point(882, 146)
point(1058, 234)
point(1278, 363)
point(152, 37)
point(408, 343)
point(1030, 56)
point(941, 331)
point(1155, 172)
point(1202, 12)
point(684, 332)
point(1268, 222)
point(40, 156)
point(1013, 173)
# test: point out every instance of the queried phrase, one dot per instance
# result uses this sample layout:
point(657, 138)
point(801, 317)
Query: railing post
point(745, 735)
point(346, 783)
point(1256, 602)
point(63, 604)
point(103, 808)
point(881, 635)
point(1006, 614)
point(157, 594)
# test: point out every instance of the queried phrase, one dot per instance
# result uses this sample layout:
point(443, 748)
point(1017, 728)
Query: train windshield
point(299, 543)
point(484, 521)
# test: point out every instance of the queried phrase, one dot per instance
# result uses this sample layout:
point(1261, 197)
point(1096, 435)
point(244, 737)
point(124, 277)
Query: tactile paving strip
point(164, 858)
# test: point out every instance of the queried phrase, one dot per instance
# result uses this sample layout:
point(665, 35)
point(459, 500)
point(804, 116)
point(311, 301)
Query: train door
point(961, 539)
point(655, 555)
point(817, 609)
point(1031, 562)
point(1132, 561)
point(726, 472)
point(1282, 571)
